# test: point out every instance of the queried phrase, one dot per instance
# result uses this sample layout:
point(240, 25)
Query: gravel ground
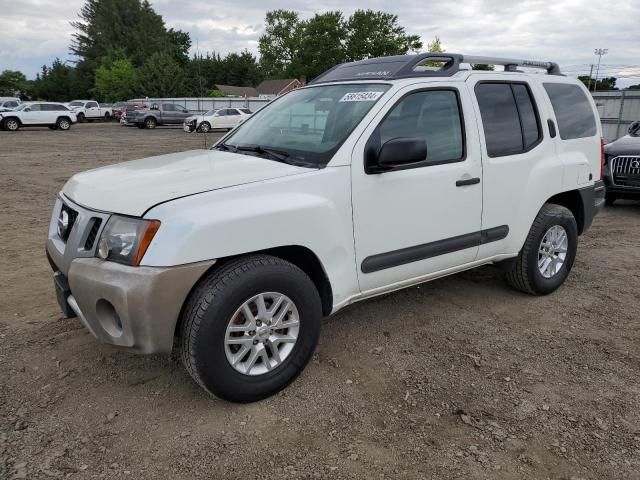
point(459, 378)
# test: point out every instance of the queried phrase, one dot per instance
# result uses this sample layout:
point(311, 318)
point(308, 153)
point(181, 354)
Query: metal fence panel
point(617, 111)
point(204, 104)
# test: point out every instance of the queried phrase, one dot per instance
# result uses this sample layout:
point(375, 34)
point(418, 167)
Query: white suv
point(379, 175)
point(56, 116)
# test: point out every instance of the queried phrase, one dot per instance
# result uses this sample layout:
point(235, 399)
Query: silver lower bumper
point(136, 308)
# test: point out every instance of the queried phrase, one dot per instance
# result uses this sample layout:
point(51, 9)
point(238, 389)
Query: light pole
point(600, 52)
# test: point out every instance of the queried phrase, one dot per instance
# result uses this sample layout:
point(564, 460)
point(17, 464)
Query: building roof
point(238, 91)
point(274, 87)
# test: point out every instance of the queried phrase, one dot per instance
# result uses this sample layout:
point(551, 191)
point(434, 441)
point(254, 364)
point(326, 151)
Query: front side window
point(509, 118)
point(573, 110)
point(180, 108)
point(308, 125)
point(168, 107)
point(222, 112)
point(433, 115)
point(92, 105)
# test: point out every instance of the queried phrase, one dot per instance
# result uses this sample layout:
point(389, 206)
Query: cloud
point(565, 31)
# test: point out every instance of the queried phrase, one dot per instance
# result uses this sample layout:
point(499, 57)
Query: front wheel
point(107, 117)
point(548, 254)
point(250, 328)
point(205, 127)
point(12, 124)
point(81, 118)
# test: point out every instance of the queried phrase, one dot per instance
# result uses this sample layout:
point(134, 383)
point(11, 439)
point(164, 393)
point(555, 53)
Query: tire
point(63, 124)
point(205, 127)
point(524, 272)
point(609, 199)
point(218, 300)
point(12, 124)
point(150, 123)
point(81, 118)
point(107, 117)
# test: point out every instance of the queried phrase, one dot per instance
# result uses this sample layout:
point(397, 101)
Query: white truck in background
point(89, 110)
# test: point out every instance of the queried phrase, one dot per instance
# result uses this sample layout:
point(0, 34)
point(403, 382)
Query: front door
point(423, 218)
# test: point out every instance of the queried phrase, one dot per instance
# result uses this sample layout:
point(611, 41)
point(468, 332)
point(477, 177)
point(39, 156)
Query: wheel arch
point(302, 257)
point(573, 201)
point(4, 119)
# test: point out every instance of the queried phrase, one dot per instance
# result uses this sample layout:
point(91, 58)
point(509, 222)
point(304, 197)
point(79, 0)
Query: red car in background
point(120, 107)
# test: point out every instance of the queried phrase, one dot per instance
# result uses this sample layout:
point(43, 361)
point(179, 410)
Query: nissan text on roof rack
point(378, 175)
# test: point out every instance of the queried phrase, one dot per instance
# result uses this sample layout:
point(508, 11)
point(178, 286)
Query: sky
point(34, 32)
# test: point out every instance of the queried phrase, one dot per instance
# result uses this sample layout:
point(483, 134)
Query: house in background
point(242, 92)
point(273, 88)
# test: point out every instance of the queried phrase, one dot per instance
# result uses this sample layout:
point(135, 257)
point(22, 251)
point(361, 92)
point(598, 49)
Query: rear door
point(520, 168)
point(233, 117)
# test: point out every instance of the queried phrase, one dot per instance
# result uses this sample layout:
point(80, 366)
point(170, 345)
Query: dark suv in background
point(622, 166)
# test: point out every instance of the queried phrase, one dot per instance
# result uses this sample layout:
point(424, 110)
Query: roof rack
point(422, 65)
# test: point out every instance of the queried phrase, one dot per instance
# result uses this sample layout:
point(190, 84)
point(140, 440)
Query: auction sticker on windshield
point(361, 96)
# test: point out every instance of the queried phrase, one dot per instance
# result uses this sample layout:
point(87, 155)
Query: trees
point(117, 81)
point(280, 44)
point(58, 83)
point(608, 83)
point(377, 34)
point(12, 82)
point(161, 76)
point(291, 47)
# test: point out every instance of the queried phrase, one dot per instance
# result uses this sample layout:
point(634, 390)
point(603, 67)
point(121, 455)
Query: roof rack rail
point(422, 65)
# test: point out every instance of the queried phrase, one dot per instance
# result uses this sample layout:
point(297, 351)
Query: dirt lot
point(459, 378)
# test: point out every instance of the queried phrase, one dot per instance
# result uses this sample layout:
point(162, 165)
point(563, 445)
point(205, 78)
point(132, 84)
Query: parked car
point(54, 115)
point(221, 118)
point(9, 103)
point(622, 166)
point(89, 110)
point(379, 175)
point(158, 114)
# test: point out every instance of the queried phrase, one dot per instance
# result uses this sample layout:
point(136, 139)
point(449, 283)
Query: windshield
point(307, 126)
point(211, 112)
point(76, 104)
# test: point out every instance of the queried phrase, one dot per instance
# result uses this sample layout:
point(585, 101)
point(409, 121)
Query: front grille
point(93, 233)
point(72, 215)
point(625, 170)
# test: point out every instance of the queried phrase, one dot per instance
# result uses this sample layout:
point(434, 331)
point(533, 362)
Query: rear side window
point(573, 111)
point(509, 118)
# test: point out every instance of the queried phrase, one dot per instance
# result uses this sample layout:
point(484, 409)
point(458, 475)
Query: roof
point(421, 65)
point(274, 87)
point(238, 91)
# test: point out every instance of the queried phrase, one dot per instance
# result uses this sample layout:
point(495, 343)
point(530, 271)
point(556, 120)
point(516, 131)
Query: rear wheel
point(250, 328)
point(63, 124)
point(11, 124)
point(150, 122)
point(548, 254)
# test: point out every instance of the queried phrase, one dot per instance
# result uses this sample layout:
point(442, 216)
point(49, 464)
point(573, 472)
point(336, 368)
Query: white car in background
point(221, 118)
point(56, 116)
point(9, 103)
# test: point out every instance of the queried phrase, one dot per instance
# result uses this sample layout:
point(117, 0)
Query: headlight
point(126, 239)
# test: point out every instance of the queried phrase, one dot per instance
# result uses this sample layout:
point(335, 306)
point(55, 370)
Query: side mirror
point(634, 129)
point(400, 152)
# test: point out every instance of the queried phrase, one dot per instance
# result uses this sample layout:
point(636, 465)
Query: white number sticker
point(361, 96)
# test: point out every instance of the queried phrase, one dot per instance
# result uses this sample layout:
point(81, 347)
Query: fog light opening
point(109, 318)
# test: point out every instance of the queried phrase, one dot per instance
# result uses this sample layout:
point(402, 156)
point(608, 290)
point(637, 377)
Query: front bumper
point(131, 307)
point(136, 308)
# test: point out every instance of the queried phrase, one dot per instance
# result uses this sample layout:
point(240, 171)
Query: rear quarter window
point(573, 111)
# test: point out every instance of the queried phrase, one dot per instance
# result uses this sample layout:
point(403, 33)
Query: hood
point(627, 145)
point(131, 188)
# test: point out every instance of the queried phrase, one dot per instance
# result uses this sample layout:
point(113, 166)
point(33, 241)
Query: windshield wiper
point(227, 147)
point(278, 155)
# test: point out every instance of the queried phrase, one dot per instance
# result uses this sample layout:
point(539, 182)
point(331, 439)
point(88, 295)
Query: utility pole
point(600, 52)
point(590, 77)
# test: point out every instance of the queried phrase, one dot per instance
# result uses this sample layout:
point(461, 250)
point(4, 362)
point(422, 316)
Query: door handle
point(467, 181)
